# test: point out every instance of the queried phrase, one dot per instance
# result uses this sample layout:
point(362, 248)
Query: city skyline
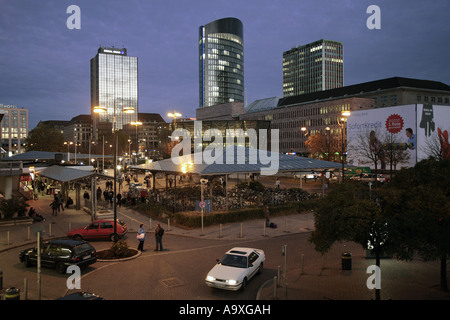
point(45, 65)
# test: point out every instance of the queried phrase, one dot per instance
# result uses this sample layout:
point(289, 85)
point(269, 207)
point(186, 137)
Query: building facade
point(321, 110)
point(313, 67)
point(221, 62)
point(147, 135)
point(114, 86)
point(14, 128)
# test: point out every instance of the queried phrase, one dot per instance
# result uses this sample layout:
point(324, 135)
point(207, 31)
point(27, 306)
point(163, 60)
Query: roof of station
point(237, 159)
point(49, 155)
point(65, 174)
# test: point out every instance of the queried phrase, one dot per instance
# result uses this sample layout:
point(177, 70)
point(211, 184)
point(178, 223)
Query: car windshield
point(83, 248)
point(234, 260)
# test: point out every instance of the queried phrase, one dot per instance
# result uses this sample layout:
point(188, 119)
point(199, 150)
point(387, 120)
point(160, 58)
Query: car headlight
point(232, 282)
point(209, 278)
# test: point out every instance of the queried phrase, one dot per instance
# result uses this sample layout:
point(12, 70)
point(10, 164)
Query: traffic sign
point(202, 204)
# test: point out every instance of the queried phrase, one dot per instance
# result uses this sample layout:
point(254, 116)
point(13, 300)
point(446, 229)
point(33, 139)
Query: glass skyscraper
point(316, 66)
point(114, 84)
point(221, 67)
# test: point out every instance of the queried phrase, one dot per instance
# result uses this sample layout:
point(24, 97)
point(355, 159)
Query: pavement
point(315, 278)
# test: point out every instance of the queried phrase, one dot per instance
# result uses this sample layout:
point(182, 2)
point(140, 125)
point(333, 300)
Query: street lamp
point(99, 109)
point(174, 115)
point(342, 123)
point(68, 149)
point(136, 123)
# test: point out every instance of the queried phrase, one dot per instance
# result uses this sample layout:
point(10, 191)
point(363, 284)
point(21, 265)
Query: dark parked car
point(60, 254)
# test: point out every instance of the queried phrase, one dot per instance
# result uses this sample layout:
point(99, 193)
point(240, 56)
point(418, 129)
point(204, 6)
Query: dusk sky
point(45, 67)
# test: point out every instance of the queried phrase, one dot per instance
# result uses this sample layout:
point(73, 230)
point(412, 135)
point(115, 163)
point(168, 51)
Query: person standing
point(141, 237)
point(159, 231)
point(55, 206)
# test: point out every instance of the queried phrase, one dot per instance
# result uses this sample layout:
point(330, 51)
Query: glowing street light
point(342, 123)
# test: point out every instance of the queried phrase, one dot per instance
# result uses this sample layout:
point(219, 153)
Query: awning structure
point(48, 155)
point(237, 159)
point(65, 174)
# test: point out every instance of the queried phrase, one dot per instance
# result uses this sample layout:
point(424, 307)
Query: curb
point(121, 259)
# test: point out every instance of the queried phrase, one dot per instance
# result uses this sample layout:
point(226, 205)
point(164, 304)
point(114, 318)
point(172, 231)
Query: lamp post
point(136, 124)
point(174, 115)
point(68, 149)
point(98, 109)
point(342, 123)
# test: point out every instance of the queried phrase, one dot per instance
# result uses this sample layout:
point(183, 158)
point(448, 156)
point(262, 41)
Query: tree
point(324, 146)
point(353, 212)
point(45, 138)
point(425, 202)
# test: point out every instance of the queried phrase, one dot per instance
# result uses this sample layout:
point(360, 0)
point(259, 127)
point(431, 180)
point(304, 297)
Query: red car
point(99, 229)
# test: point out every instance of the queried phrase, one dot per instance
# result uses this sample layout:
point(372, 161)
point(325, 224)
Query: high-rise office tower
point(221, 68)
point(114, 86)
point(316, 66)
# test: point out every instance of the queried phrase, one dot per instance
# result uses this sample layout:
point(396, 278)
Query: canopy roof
point(65, 174)
point(240, 160)
point(49, 155)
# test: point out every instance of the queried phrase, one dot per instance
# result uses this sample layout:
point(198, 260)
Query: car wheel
point(26, 262)
point(114, 237)
point(261, 268)
point(60, 267)
point(244, 284)
point(77, 237)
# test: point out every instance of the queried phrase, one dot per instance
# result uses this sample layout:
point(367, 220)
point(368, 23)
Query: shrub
point(120, 249)
point(8, 207)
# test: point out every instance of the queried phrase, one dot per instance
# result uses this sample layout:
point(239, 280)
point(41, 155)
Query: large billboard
point(395, 136)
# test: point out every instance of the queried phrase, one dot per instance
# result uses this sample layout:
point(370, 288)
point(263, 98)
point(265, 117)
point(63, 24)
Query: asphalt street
point(178, 272)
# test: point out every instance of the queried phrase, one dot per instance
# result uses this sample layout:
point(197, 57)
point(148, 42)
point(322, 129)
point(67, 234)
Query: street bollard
point(278, 275)
point(303, 263)
point(7, 237)
point(275, 287)
point(1, 280)
point(220, 230)
point(241, 235)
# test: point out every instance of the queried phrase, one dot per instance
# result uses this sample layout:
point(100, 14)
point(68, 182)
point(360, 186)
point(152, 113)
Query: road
point(174, 274)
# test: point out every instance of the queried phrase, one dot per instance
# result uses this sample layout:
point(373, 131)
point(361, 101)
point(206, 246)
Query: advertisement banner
point(382, 137)
point(433, 126)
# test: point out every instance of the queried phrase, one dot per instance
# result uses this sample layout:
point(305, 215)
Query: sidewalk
point(317, 279)
point(58, 226)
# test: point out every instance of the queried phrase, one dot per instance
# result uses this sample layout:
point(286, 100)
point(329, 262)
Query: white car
point(236, 267)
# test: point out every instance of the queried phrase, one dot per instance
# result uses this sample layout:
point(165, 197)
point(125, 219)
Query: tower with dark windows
point(221, 62)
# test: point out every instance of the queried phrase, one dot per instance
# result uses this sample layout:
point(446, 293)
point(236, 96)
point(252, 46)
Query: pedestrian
point(267, 214)
point(159, 231)
point(54, 205)
point(119, 199)
point(277, 184)
point(141, 237)
point(60, 201)
point(99, 194)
